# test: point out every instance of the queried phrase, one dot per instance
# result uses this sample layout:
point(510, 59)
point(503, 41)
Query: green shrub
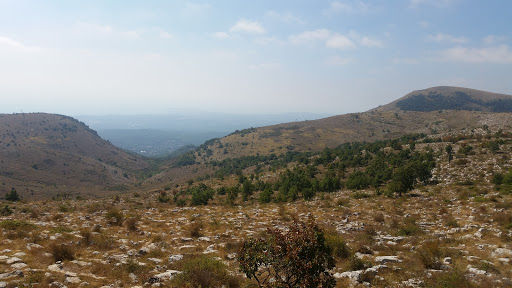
point(203, 271)
point(114, 217)
point(61, 229)
point(5, 211)
point(409, 228)
point(12, 196)
point(266, 196)
point(337, 245)
point(358, 180)
point(357, 264)
point(163, 197)
point(450, 279)
point(201, 195)
point(16, 225)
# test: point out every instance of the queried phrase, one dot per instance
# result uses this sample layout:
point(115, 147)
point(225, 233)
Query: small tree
point(449, 151)
point(297, 258)
point(12, 196)
point(402, 181)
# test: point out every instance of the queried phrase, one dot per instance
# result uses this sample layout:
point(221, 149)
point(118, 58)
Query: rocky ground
point(453, 234)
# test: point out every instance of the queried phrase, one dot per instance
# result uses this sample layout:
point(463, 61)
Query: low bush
point(114, 217)
point(430, 255)
point(203, 271)
point(195, 229)
point(62, 252)
point(298, 257)
point(409, 228)
point(131, 223)
point(450, 279)
point(337, 245)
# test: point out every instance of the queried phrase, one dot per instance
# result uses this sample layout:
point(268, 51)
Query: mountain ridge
point(384, 122)
point(450, 98)
point(50, 152)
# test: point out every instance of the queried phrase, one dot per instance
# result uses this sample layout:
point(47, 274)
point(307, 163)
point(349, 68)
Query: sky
point(268, 56)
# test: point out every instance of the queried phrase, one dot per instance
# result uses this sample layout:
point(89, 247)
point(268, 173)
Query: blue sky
point(138, 57)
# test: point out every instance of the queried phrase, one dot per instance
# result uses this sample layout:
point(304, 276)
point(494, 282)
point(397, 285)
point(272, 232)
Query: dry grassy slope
point(445, 233)
point(45, 154)
point(333, 131)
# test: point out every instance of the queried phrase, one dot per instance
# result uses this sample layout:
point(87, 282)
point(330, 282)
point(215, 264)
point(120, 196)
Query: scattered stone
point(167, 275)
point(31, 246)
point(210, 249)
point(386, 259)
point(174, 258)
point(57, 285)
point(502, 252)
point(55, 268)
point(413, 283)
point(13, 260)
point(73, 280)
point(156, 260)
point(476, 271)
point(19, 266)
point(81, 263)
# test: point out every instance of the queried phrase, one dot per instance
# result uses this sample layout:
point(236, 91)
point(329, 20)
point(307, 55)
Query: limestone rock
point(174, 258)
point(387, 259)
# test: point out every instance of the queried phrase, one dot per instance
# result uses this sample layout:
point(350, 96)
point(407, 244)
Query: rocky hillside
point(453, 232)
point(333, 131)
point(46, 154)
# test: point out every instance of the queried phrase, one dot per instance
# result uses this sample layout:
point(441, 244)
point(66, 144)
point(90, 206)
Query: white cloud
point(334, 40)
point(220, 35)
point(408, 61)
point(363, 40)
point(17, 46)
point(166, 35)
point(440, 37)
point(265, 66)
point(197, 6)
point(131, 34)
point(285, 17)
point(247, 26)
point(497, 55)
point(338, 61)
point(269, 40)
point(370, 42)
point(97, 29)
point(340, 42)
point(319, 34)
point(348, 6)
point(435, 3)
point(493, 39)
point(92, 27)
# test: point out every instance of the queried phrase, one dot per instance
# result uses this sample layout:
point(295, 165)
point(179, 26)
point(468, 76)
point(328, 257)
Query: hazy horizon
point(261, 57)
